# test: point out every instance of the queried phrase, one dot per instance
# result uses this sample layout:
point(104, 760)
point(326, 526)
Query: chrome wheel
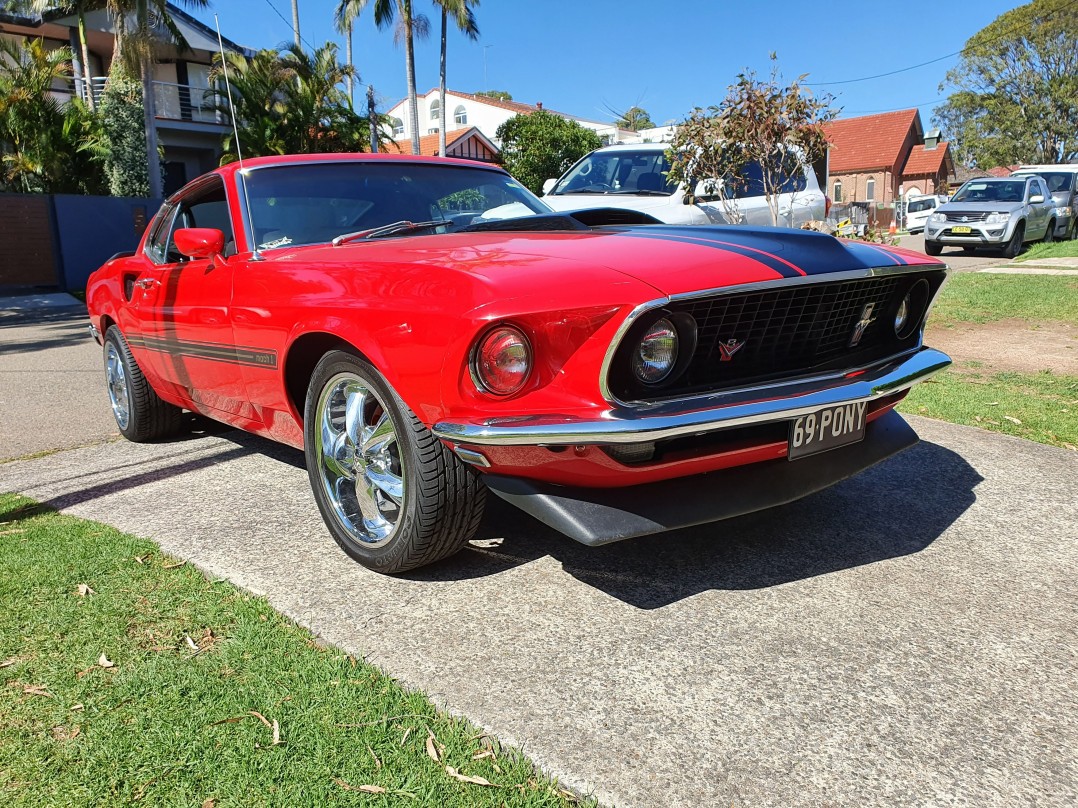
point(359, 460)
point(117, 384)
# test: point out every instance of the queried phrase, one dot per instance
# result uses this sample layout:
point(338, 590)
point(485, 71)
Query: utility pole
point(485, 85)
point(295, 21)
point(372, 118)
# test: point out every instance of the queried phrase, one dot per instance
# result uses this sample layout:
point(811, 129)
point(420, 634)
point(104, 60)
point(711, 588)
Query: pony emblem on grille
point(866, 320)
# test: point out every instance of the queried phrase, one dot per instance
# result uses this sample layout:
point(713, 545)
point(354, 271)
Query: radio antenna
point(236, 134)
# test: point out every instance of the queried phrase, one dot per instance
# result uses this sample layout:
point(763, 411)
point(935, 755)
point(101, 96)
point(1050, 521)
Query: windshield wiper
point(643, 192)
point(581, 191)
point(394, 228)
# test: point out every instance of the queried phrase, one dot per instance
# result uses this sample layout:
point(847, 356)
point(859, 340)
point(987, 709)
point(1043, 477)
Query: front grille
point(966, 216)
point(784, 332)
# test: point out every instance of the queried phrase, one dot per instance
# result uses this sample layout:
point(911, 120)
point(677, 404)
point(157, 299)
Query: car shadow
point(892, 510)
point(53, 331)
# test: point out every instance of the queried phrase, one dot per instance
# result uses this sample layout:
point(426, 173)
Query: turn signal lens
point(902, 316)
point(657, 352)
point(503, 361)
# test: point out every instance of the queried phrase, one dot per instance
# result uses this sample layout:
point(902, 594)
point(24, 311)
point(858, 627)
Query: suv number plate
point(826, 428)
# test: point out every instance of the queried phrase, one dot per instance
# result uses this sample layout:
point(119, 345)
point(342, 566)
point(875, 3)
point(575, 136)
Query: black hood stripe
point(784, 269)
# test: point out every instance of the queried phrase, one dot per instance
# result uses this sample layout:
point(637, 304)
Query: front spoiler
point(595, 516)
point(703, 414)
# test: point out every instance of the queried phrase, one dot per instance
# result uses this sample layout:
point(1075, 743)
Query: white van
point(633, 176)
point(918, 209)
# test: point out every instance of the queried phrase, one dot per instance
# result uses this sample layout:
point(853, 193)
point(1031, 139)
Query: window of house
point(398, 127)
point(460, 115)
point(837, 195)
point(433, 130)
point(436, 110)
point(870, 190)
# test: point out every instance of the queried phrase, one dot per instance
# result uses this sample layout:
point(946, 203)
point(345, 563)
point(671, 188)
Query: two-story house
point(189, 125)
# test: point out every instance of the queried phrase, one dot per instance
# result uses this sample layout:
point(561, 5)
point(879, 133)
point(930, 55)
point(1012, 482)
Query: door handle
point(147, 283)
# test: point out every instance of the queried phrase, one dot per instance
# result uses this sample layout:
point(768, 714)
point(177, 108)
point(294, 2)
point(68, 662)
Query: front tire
point(392, 495)
point(1014, 246)
point(933, 247)
point(1050, 233)
point(140, 413)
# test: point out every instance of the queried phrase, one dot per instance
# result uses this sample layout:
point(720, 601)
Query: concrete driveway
point(955, 257)
point(908, 637)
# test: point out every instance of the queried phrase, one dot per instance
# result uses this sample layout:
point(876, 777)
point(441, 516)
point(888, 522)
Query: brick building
point(877, 158)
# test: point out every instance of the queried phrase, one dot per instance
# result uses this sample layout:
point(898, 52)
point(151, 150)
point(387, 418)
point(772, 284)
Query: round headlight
point(503, 360)
point(656, 354)
point(902, 316)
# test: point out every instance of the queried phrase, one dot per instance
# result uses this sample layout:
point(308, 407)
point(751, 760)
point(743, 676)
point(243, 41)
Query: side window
point(203, 208)
point(160, 229)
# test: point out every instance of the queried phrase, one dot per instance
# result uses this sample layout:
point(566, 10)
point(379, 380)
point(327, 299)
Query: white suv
point(633, 176)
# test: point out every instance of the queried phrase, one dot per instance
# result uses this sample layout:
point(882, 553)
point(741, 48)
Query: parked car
point(991, 212)
point(918, 209)
point(1062, 182)
point(634, 176)
point(612, 381)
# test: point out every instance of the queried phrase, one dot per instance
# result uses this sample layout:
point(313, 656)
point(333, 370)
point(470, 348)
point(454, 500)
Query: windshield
point(917, 205)
point(1058, 181)
point(991, 191)
point(619, 172)
point(313, 203)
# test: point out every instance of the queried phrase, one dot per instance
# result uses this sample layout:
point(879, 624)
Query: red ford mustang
point(427, 331)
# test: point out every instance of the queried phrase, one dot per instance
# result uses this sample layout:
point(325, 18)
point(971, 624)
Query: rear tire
point(933, 247)
point(1014, 246)
point(140, 413)
point(392, 495)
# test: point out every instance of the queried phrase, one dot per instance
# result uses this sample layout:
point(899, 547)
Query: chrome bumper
point(701, 414)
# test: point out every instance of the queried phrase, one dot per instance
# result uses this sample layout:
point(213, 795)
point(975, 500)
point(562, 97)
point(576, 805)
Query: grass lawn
point(127, 677)
point(975, 297)
point(1038, 406)
point(1057, 249)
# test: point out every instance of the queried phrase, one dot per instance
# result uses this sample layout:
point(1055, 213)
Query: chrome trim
point(643, 308)
point(95, 333)
point(708, 413)
point(471, 457)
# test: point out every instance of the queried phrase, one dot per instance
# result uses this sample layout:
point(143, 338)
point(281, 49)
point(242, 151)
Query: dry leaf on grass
point(366, 789)
point(7, 663)
point(141, 559)
point(76, 707)
point(173, 566)
point(276, 733)
point(209, 802)
point(432, 748)
point(36, 690)
point(404, 737)
point(486, 753)
point(260, 717)
point(62, 733)
point(105, 662)
point(377, 762)
point(478, 781)
point(191, 643)
point(84, 590)
point(9, 532)
point(1012, 419)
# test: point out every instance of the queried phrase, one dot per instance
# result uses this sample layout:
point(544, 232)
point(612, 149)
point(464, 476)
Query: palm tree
point(80, 8)
point(344, 17)
point(465, 20)
point(410, 26)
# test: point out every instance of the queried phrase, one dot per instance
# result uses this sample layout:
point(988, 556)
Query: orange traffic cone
point(892, 229)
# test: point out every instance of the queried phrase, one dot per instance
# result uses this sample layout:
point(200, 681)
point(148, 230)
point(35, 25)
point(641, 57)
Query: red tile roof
point(428, 144)
point(924, 161)
point(1002, 171)
point(870, 142)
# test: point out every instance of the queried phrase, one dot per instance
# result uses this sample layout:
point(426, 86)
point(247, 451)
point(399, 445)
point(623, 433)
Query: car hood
point(672, 260)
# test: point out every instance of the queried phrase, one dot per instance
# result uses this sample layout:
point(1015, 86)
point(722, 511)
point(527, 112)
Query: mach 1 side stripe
point(784, 268)
point(233, 354)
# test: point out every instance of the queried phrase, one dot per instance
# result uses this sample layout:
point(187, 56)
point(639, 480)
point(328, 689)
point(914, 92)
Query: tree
point(288, 102)
point(123, 117)
point(1016, 89)
point(635, 118)
point(410, 26)
point(761, 123)
point(501, 95)
point(46, 146)
point(541, 144)
point(80, 8)
point(344, 19)
point(464, 19)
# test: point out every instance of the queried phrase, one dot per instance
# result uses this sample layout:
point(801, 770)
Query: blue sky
point(587, 57)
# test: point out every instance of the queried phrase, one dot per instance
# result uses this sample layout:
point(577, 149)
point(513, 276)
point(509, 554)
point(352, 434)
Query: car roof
point(635, 147)
point(1072, 167)
point(352, 157)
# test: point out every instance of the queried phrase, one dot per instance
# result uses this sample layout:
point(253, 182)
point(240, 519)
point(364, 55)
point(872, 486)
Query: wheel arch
point(301, 358)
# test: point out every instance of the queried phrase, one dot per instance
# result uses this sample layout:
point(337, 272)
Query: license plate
point(826, 428)
point(961, 229)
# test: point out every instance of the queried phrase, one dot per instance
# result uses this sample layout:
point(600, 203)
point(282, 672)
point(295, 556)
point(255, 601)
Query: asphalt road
point(955, 257)
point(908, 637)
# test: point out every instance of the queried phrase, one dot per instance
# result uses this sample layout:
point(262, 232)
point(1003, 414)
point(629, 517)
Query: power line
point(930, 61)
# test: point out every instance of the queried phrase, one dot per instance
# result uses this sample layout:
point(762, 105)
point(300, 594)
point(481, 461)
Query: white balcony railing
point(175, 102)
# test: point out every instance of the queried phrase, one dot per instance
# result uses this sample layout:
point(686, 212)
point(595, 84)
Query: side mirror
point(1036, 198)
point(199, 242)
point(548, 186)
